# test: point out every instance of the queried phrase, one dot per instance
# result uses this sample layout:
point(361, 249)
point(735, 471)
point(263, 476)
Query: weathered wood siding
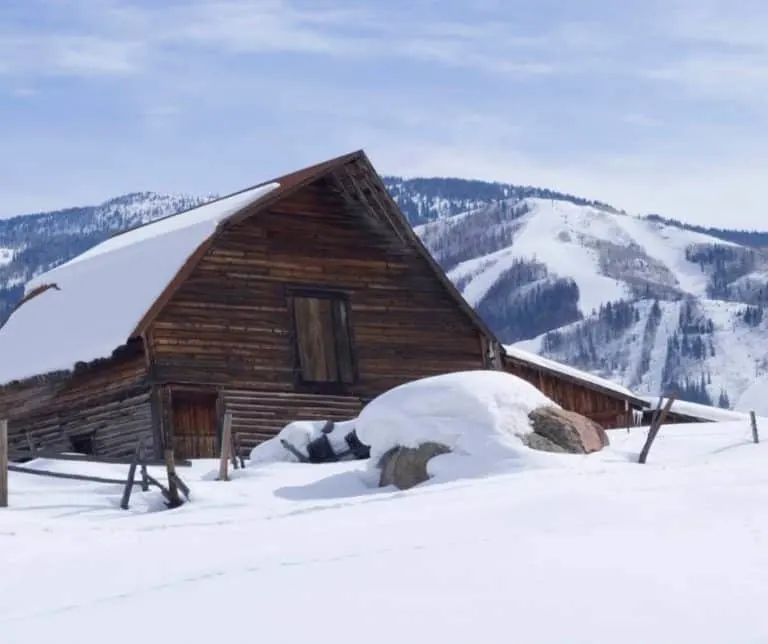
point(608, 411)
point(257, 414)
point(111, 401)
point(230, 325)
point(673, 418)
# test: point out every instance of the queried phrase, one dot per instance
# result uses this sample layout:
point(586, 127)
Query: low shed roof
point(585, 378)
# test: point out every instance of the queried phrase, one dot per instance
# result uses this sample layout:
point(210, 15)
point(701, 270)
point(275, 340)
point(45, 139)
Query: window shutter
point(323, 342)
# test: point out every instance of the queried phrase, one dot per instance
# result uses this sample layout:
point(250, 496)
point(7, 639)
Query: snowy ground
point(584, 549)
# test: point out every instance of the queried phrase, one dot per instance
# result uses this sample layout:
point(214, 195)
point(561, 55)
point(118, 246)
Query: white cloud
point(615, 101)
point(108, 37)
point(51, 55)
point(24, 92)
point(642, 120)
point(718, 50)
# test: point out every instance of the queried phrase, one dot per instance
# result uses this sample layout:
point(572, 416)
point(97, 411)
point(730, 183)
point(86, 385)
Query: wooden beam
point(373, 205)
point(753, 422)
point(64, 475)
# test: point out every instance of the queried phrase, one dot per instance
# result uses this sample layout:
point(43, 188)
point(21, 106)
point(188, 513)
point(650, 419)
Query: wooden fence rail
point(170, 492)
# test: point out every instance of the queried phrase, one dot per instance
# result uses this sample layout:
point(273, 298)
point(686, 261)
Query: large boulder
point(540, 443)
point(405, 467)
point(567, 430)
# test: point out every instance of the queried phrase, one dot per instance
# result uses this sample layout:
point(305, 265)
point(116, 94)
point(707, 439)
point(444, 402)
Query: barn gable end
point(313, 305)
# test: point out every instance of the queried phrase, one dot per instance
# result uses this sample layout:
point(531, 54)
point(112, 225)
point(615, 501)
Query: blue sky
point(653, 105)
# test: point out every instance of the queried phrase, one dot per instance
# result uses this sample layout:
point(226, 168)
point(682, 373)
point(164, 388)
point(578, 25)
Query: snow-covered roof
point(697, 410)
point(566, 370)
point(104, 293)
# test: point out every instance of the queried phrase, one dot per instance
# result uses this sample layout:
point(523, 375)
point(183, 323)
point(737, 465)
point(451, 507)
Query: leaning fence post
point(3, 463)
point(656, 423)
point(174, 500)
point(226, 447)
point(131, 477)
point(753, 422)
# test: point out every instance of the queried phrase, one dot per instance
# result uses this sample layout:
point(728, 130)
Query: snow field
point(596, 550)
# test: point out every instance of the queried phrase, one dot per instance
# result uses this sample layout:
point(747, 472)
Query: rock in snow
point(475, 413)
point(405, 467)
point(479, 417)
point(566, 430)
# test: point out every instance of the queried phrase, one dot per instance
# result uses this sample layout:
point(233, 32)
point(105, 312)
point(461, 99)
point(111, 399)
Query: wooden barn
point(300, 298)
point(605, 402)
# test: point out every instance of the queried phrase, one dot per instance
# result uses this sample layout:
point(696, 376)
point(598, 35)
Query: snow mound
point(474, 413)
point(300, 434)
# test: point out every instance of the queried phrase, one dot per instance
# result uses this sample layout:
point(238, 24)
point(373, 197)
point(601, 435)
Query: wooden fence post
point(131, 477)
point(753, 422)
point(226, 447)
point(174, 500)
point(3, 463)
point(658, 420)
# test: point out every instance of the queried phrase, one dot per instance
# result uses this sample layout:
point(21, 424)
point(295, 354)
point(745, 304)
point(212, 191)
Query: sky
point(651, 105)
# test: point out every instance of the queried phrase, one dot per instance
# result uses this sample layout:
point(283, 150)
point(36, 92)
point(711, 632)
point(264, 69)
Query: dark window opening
point(323, 339)
point(82, 443)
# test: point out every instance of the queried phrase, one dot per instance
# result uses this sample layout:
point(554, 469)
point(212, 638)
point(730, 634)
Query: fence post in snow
point(753, 422)
point(174, 500)
point(3, 463)
point(658, 420)
point(226, 447)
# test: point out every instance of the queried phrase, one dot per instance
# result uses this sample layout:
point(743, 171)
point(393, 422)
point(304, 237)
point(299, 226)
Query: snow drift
point(478, 415)
point(473, 413)
point(300, 434)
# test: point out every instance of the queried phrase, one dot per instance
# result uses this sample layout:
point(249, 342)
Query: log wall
point(257, 415)
point(608, 411)
point(110, 401)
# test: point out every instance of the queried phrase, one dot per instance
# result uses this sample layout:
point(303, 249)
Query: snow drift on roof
point(551, 365)
point(697, 410)
point(105, 292)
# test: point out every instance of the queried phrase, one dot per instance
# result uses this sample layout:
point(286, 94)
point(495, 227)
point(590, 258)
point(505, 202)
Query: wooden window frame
point(322, 387)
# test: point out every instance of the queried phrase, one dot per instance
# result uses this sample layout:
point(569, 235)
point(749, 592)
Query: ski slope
point(603, 252)
point(590, 549)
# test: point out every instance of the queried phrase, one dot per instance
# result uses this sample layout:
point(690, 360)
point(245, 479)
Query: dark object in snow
point(302, 458)
point(405, 467)
point(359, 449)
point(320, 450)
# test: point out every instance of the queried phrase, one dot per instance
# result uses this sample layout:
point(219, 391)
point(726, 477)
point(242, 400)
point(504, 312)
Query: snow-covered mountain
point(652, 305)
point(32, 244)
point(649, 302)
